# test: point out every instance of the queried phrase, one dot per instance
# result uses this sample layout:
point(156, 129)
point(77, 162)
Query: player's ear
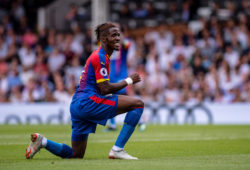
point(103, 39)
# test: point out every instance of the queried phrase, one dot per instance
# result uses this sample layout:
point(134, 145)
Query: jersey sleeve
point(100, 68)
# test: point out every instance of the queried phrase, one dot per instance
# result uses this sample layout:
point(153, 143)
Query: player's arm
point(106, 87)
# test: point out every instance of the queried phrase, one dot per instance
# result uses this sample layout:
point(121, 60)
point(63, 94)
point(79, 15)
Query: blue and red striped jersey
point(96, 70)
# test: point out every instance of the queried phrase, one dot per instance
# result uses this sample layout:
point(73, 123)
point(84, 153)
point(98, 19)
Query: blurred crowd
point(150, 13)
point(210, 65)
point(39, 65)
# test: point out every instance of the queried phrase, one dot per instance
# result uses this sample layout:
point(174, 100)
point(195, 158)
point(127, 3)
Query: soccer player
point(91, 104)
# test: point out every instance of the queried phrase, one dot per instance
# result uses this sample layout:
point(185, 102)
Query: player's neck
point(109, 51)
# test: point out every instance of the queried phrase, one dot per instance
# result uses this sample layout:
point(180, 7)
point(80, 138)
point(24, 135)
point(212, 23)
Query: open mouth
point(117, 44)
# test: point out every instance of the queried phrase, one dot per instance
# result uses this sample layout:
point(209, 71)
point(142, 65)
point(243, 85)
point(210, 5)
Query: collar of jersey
point(103, 52)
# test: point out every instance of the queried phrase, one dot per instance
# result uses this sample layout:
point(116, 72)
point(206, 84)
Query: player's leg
point(79, 148)
point(134, 107)
point(80, 127)
point(38, 141)
point(79, 144)
point(128, 103)
point(59, 149)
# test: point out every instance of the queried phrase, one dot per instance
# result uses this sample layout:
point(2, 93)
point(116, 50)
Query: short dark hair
point(103, 28)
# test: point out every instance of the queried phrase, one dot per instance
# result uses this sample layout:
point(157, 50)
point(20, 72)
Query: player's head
point(109, 35)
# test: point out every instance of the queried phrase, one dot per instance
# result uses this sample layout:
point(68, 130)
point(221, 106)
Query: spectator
point(72, 13)
point(231, 56)
point(60, 93)
point(73, 72)
point(152, 12)
point(27, 56)
point(32, 92)
point(197, 66)
point(17, 10)
point(41, 69)
point(172, 93)
point(4, 86)
point(206, 44)
point(124, 12)
point(3, 49)
point(164, 41)
point(47, 89)
point(16, 94)
point(244, 7)
point(51, 43)
point(29, 38)
point(140, 11)
point(185, 13)
point(173, 14)
point(56, 60)
point(42, 37)
point(14, 79)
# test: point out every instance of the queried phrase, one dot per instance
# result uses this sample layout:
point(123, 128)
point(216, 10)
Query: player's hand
point(135, 77)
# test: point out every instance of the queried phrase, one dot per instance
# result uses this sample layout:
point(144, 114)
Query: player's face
point(114, 38)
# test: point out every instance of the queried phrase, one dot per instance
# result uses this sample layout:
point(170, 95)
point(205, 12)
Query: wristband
point(129, 81)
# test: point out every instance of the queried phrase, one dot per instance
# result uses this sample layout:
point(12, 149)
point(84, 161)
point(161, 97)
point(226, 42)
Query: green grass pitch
point(159, 147)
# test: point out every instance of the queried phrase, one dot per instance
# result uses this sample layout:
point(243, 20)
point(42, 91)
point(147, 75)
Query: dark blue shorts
point(88, 111)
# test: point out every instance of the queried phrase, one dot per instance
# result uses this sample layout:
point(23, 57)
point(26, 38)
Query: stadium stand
point(185, 51)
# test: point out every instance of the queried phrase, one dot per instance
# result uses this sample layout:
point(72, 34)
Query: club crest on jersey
point(103, 72)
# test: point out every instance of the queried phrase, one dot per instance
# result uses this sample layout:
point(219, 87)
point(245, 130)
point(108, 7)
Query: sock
point(59, 149)
point(131, 120)
point(44, 142)
point(124, 135)
point(116, 148)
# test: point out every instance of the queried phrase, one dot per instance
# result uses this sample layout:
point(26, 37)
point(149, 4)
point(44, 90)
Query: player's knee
point(139, 103)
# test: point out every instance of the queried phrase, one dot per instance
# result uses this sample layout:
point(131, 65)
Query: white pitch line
point(138, 140)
